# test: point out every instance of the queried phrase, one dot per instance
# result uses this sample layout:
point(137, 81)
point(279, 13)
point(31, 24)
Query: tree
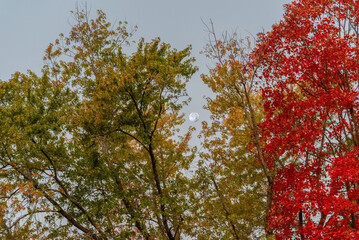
point(310, 63)
point(90, 143)
point(236, 181)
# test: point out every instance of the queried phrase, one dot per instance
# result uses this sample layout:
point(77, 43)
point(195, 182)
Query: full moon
point(193, 117)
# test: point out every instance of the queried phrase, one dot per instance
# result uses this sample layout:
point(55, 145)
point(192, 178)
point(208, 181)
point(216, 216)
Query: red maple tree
point(311, 132)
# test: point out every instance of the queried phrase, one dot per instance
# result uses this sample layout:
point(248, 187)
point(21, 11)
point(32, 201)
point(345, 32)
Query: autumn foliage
point(90, 147)
point(87, 147)
point(310, 65)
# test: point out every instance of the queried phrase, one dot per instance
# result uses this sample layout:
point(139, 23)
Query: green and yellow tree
point(88, 147)
point(236, 181)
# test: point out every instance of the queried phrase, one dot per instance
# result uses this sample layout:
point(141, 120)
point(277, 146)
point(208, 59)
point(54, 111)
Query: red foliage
point(311, 65)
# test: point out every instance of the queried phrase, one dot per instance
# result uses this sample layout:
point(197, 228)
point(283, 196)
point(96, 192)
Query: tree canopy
point(89, 143)
point(91, 146)
point(311, 103)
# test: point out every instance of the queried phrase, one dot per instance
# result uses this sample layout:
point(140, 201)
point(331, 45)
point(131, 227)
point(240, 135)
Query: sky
point(28, 26)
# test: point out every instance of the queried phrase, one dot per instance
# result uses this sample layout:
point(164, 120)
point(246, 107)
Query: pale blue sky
point(28, 26)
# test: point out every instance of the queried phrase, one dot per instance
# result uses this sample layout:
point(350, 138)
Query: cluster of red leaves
point(310, 62)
